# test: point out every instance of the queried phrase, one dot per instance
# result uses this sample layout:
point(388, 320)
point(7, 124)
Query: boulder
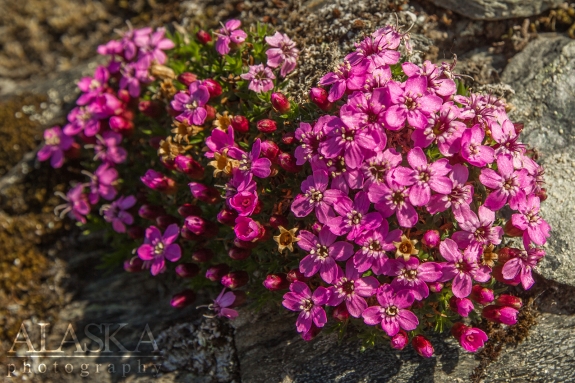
point(497, 9)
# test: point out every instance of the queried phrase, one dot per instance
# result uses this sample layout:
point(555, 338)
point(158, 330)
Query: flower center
point(320, 251)
point(347, 135)
point(410, 103)
point(392, 311)
point(286, 238)
point(192, 105)
point(410, 275)
point(53, 141)
point(159, 248)
point(473, 149)
point(345, 286)
point(398, 198)
point(315, 195)
point(374, 245)
point(406, 247)
point(354, 217)
point(424, 175)
point(306, 305)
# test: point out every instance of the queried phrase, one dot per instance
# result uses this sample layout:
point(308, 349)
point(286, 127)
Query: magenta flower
point(443, 129)
point(55, 143)
point(129, 38)
point(108, 148)
point(260, 77)
point(506, 315)
point(282, 52)
point(507, 142)
point(507, 184)
point(472, 150)
point(116, 213)
point(152, 47)
point(310, 138)
point(223, 302)
point(244, 202)
point(229, 33)
point(377, 50)
point(391, 198)
point(92, 87)
point(350, 141)
point(345, 77)
point(219, 142)
point(412, 103)
point(462, 268)
point(375, 168)
point(102, 184)
point(374, 244)
point(316, 196)
point(251, 162)
point(366, 110)
point(352, 289)
point(323, 252)
point(155, 180)
point(436, 84)
point(342, 177)
point(240, 182)
point(470, 338)
point(354, 218)
point(76, 205)
point(132, 76)
point(523, 265)
point(393, 313)
point(247, 229)
point(427, 177)
point(301, 299)
point(477, 228)
point(528, 219)
point(462, 306)
point(377, 79)
point(157, 247)
point(192, 105)
point(413, 276)
point(85, 118)
point(461, 194)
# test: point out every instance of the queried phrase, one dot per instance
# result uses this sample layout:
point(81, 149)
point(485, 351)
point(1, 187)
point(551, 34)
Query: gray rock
point(543, 78)
point(497, 9)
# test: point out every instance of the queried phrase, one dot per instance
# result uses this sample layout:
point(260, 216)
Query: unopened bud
point(214, 87)
point(275, 282)
point(288, 163)
point(134, 265)
point(269, 150)
point(280, 102)
point(183, 299)
point(267, 126)
point(509, 300)
point(215, 273)
point(340, 313)
point(188, 209)
point(431, 238)
point(240, 124)
point(165, 220)
point(239, 254)
point(319, 97)
point(399, 340)
point(235, 279)
point(482, 295)
point(500, 314)
point(151, 212)
point(187, 78)
point(422, 346)
point(202, 255)
point(187, 270)
point(203, 37)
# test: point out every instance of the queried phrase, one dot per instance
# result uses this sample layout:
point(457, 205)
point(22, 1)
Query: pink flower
point(86, 118)
point(132, 76)
point(375, 168)
point(352, 289)
point(156, 180)
point(219, 142)
point(316, 196)
point(462, 306)
point(251, 161)
point(152, 47)
point(472, 149)
point(462, 268)
point(260, 77)
point(470, 338)
point(377, 79)
point(427, 177)
point(507, 140)
point(354, 218)
point(399, 340)
point(229, 33)
point(342, 177)
point(497, 314)
point(223, 302)
point(55, 143)
point(413, 276)
point(247, 229)
point(93, 87)
point(282, 52)
point(461, 194)
point(528, 219)
point(437, 84)
point(102, 184)
point(76, 205)
point(244, 202)
point(366, 110)
point(108, 148)
point(393, 313)
point(412, 103)
point(477, 229)
point(377, 50)
point(344, 77)
point(523, 265)
point(310, 138)
point(373, 247)
point(391, 198)
point(443, 129)
point(301, 299)
point(323, 252)
point(158, 247)
point(192, 105)
point(116, 213)
point(509, 185)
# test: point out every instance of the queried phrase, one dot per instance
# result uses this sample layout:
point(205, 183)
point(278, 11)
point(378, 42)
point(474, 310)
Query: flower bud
point(497, 273)
point(462, 306)
point(151, 212)
point(542, 194)
point(196, 224)
point(244, 244)
point(241, 298)
point(168, 164)
point(186, 234)
point(187, 270)
point(288, 163)
point(296, 275)
point(188, 209)
point(422, 346)
point(399, 340)
point(471, 339)
point(277, 220)
point(134, 265)
point(316, 227)
point(509, 300)
point(507, 253)
point(227, 217)
point(340, 313)
point(247, 229)
point(319, 97)
point(269, 150)
point(288, 138)
point(165, 220)
point(136, 232)
point(187, 78)
point(511, 230)
point(431, 238)
point(312, 333)
point(203, 37)
point(154, 142)
point(267, 126)
point(211, 112)
point(482, 295)
point(157, 181)
point(214, 87)
point(498, 314)
point(240, 124)
point(204, 193)
point(152, 109)
point(276, 282)
point(202, 255)
point(124, 95)
point(189, 166)
point(235, 279)
point(435, 287)
point(280, 103)
point(183, 299)
point(215, 273)
point(239, 254)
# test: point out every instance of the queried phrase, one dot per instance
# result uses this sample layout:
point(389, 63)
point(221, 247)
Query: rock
point(543, 78)
point(497, 9)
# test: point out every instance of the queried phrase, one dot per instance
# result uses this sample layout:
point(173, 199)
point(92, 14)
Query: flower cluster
point(409, 179)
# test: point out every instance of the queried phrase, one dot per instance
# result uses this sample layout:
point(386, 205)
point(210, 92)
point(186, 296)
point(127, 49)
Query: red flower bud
point(227, 217)
point(134, 265)
point(188, 209)
point(214, 87)
point(235, 279)
point(203, 37)
point(276, 282)
point(267, 126)
point(462, 306)
point(422, 346)
point(152, 109)
point(187, 270)
point(165, 220)
point(187, 78)
point(509, 300)
point(136, 232)
point(340, 313)
point(189, 166)
point(269, 150)
point(202, 255)
point(399, 340)
point(240, 124)
point(506, 315)
point(124, 96)
point(319, 97)
point(482, 295)
point(168, 164)
point(519, 126)
point(288, 163)
point(151, 212)
point(204, 193)
point(239, 254)
point(280, 102)
point(278, 220)
point(431, 238)
point(183, 299)
point(211, 112)
point(215, 273)
point(296, 275)
point(542, 195)
point(511, 230)
point(288, 138)
point(186, 234)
